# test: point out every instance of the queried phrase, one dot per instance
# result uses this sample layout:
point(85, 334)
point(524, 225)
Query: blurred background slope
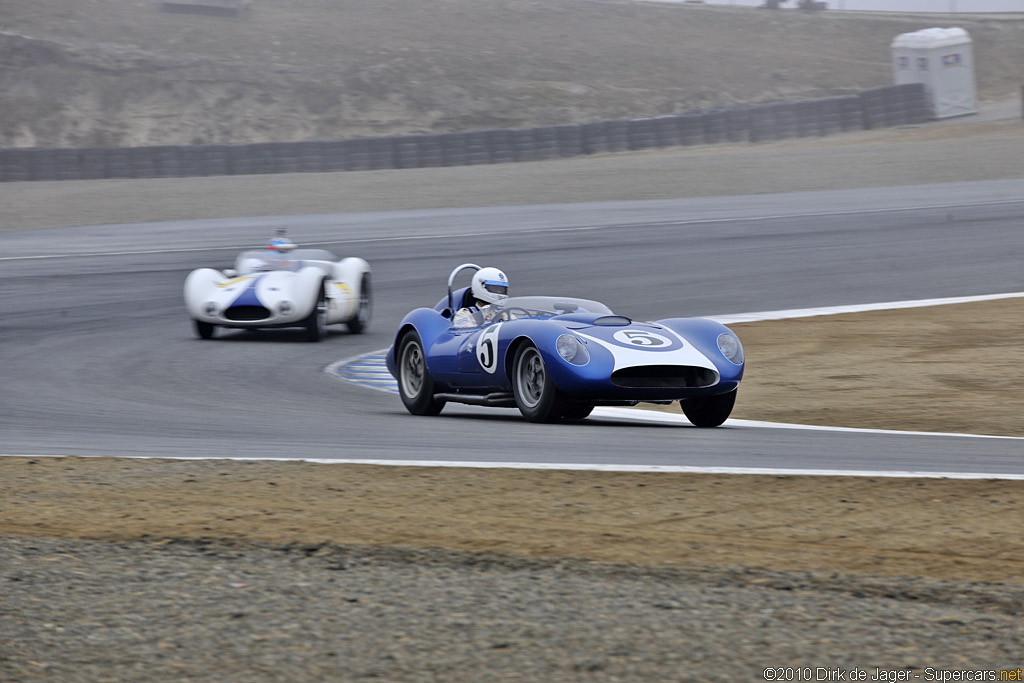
point(85, 73)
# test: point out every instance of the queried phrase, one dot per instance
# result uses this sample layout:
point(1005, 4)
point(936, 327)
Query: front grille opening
point(664, 377)
point(247, 313)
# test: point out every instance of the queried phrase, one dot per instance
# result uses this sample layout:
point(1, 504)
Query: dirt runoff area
point(940, 529)
point(953, 368)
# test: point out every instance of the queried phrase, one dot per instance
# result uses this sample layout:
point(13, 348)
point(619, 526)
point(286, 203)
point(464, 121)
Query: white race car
point(281, 286)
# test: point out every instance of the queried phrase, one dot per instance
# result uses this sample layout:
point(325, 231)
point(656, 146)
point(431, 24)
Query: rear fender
point(428, 324)
point(350, 270)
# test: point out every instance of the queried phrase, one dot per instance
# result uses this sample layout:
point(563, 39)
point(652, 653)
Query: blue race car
point(558, 357)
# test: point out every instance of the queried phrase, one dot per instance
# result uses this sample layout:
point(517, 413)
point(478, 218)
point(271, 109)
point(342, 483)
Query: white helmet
point(490, 285)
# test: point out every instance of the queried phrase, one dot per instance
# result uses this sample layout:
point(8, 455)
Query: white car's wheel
point(316, 323)
point(357, 325)
point(204, 330)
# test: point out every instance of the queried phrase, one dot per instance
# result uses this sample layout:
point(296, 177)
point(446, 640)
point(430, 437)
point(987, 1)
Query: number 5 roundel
point(487, 349)
point(641, 339)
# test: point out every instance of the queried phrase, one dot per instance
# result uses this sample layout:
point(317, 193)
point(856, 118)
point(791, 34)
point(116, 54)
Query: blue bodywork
point(622, 362)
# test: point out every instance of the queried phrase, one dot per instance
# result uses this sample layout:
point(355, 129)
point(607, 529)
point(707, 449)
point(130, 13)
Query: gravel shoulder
point(195, 571)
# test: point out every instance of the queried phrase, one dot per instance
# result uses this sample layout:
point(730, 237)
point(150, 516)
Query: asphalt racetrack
point(99, 357)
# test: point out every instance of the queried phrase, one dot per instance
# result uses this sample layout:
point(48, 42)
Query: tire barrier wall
point(893, 105)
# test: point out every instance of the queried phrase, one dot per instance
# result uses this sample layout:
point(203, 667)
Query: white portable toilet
point(942, 59)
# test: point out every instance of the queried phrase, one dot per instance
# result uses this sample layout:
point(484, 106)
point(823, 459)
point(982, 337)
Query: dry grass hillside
point(123, 72)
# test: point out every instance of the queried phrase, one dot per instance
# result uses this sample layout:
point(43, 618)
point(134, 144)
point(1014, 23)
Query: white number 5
point(640, 338)
point(487, 349)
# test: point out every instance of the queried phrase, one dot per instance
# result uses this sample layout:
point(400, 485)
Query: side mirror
point(230, 273)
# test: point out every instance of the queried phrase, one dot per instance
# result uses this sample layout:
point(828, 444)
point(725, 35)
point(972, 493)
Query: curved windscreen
point(545, 306)
point(262, 260)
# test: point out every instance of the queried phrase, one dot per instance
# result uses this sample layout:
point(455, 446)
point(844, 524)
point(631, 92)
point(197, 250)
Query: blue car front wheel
point(709, 411)
point(535, 394)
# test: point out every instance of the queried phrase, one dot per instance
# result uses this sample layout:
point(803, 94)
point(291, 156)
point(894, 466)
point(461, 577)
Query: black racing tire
point(359, 322)
point(536, 395)
point(315, 323)
point(709, 411)
point(576, 411)
point(415, 385)
point(204, 330)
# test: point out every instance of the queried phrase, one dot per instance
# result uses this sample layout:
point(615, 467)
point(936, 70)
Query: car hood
point(255, 289)
point(636, 344)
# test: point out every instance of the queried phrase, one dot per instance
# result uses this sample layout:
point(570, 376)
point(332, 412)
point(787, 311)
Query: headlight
point(729, 345)
point(572, 350)
point(285, 307)
point(210, 308)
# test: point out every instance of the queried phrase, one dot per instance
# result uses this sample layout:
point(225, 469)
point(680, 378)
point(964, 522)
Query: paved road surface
point(98, 356)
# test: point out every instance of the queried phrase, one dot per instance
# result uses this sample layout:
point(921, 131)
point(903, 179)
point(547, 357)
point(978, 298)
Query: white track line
point(857, 308)
point(676, 469)
point(640, 415)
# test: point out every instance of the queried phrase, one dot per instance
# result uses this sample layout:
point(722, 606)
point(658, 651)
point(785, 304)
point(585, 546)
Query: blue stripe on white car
point(248, 295)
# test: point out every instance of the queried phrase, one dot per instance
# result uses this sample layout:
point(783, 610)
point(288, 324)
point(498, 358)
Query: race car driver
point(488, 291)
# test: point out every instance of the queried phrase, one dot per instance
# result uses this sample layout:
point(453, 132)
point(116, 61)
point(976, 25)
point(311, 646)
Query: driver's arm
point(467, 317)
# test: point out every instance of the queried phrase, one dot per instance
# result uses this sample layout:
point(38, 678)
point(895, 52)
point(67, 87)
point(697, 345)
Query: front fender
point(303, 287)
point(567, 377)
point(199, 285)
point(703, 335)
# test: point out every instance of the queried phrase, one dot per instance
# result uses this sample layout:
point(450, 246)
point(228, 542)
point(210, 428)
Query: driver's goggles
point(495, 288)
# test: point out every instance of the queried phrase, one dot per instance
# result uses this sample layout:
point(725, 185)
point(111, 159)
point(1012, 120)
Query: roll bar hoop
point(451, 279)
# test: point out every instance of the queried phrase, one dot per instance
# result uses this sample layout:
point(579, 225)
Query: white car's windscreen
point(262, 260)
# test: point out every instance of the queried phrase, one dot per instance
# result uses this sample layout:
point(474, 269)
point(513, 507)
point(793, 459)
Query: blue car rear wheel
point(414, 382)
